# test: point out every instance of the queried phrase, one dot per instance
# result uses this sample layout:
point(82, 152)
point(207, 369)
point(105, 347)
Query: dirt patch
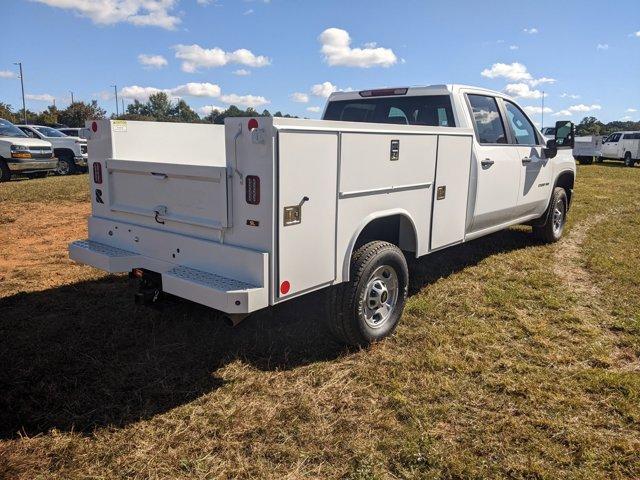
point(37, 237)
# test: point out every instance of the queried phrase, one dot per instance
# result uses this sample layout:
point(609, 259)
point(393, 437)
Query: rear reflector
point(252, 190)
point(285, 287)
point(252, 124)
point(383, 92)
point(94, 126)
point(97, 173)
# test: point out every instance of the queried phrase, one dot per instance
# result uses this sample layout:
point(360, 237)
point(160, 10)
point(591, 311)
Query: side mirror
point(551, 150)
point(565, 134)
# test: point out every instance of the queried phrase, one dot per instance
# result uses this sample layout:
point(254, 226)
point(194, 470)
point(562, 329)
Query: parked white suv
point(71, 151)
point(20, 154)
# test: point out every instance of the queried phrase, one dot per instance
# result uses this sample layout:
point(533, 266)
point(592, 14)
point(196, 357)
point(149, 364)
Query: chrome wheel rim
point(63, 167)
point(380, 296)
point(558, 217)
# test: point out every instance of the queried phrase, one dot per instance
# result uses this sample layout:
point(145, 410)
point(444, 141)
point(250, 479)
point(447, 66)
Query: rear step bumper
point(207, 288)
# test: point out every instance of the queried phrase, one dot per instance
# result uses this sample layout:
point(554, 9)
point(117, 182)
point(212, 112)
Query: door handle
point(526, 160)
point(487, 162)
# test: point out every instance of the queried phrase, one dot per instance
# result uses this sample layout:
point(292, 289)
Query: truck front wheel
point(5, 173)
point(66, 165)
point(556, 217)
point(368, 307)
point(628, 161)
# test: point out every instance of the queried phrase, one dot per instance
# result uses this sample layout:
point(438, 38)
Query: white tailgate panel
point(452, 172)
point(307, 168)
point(193, 194)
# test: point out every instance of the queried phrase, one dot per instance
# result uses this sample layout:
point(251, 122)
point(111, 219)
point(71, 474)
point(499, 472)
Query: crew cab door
point(610, 147)
point(535, 174)
point(498, 164)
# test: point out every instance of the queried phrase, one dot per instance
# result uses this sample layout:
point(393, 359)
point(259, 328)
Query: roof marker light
point(252, 124)
point(383, 92)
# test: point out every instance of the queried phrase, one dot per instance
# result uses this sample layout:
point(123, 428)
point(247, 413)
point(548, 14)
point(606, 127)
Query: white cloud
point(244, 100)
point(513, 47)
point(207, 109)
point(541, 80)
point(337, 51)
point(248, 12)
point(530, 31)
point(136, 92)
point(626, 117)
point(242, 72)
point(512, 71)
point(194, 57)
point(631, 110)
point(537, 110)
point(152, 61)
point(563, 113)
point(602, 46)
point(314, 109)
point(636, 34)
point(569, 95)
point(43, 97)
point(8, 74)
point(522, 90)
point(323, 89)
point(299, 97)
point(584, 108)
point(156, 13)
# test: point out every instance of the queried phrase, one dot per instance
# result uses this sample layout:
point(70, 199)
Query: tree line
point(157, 108)
point(593, 126)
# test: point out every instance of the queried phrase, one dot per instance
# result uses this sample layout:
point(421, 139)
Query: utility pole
point(72, 101)
point(24, 106)
point(115, 89)
point(542, 112)
point(122, 100)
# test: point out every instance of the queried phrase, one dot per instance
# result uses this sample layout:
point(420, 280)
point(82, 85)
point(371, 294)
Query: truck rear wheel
point(585, 160)
point(66, 165)
point(368, 307)
point(628, 161)
point(5, 173)
point(556, 217)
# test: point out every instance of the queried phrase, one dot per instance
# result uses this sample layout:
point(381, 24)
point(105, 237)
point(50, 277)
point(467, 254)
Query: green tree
point(590, 126)
point(76, 114)
point(7, 113)
point(182, 112)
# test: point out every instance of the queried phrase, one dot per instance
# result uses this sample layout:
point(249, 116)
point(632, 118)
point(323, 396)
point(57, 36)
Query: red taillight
point(383, 92)
point(97, 173)
point(252, 124)
point(252, 190)
point(285, 287)
point(94, 127)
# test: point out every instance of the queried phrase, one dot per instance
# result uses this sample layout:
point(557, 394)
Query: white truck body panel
point(588, 146)
point(175, 198)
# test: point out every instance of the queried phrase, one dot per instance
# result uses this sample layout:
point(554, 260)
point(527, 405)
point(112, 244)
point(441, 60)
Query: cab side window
point(523, 131)
point(487, 119)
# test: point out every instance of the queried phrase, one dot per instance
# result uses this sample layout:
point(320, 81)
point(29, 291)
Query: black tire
point(66, 165)
point(5, 173)
point(599, 159)
point(628, 161)
point(356, 316)
point(585, 160)
point(556, 217)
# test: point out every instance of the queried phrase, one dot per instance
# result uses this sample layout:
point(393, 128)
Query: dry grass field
point(513, 360)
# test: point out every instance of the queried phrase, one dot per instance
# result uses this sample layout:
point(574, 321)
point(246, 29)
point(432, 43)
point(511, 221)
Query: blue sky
point(286, 55)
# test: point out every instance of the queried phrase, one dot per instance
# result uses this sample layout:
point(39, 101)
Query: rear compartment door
point(169, 193)
point(307, 202)
point(451, 190)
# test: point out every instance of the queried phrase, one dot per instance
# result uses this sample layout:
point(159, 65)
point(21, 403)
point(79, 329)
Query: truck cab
point(71, 151)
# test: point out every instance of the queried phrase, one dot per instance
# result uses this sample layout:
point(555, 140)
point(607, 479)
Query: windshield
point(49, 132)
point(431, 110)
point(8, 129)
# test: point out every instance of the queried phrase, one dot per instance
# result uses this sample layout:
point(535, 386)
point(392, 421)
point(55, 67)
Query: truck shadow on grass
point(83, 356)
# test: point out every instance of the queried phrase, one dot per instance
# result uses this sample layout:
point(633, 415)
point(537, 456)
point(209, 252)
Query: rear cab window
point(428, 110)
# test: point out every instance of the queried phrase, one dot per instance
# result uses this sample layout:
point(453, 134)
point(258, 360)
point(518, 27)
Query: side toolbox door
point(451, 190)
point(307, 202)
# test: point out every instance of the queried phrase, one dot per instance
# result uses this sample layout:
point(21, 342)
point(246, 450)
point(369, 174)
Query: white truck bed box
point(174, 199)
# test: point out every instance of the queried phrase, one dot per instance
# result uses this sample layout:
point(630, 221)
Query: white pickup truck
point(21, 155)
point(262, 210)
point(623, 146)
point(71, 151)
